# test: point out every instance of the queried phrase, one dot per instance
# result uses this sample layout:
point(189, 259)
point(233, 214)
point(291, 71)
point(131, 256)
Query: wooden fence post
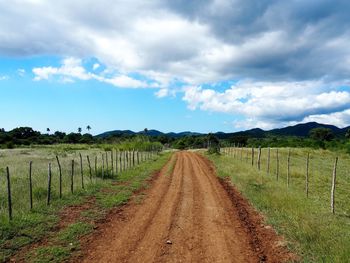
point(268, 161)
point(60, 176)
point(120, 162)
point(138, 157)
point(241, 153)
point(72, 178)
point(103, 166)
point(116, 162)
point(334, 177)
point(252, 156)
point(107, 170)
point(247, 154)
point(112, 162)
point(288, 168)
point(277, 165)
point(125, 164)
point(30, 185)
point(88, 159)
point(9, 196)
point(307, 176)
point(81, 171)
point(49, 185)
point(96, 166)
point(259, 156)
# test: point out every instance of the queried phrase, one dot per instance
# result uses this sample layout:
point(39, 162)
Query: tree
point(79, 130)
point(321, 134)
point(145, 130)
point(48, 130)
point(213, 144)
point(88, 128)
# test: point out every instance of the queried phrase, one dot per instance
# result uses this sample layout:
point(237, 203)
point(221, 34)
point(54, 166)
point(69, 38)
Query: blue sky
point(203, 66)
point(66, 106)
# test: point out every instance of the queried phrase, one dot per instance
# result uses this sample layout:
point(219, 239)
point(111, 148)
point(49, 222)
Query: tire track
point(191, 209)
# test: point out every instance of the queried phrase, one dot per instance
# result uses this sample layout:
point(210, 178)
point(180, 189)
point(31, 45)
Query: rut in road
point(190, 208)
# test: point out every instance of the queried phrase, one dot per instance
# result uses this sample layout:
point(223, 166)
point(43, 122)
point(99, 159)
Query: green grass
point(307, 223)
point(30, 226)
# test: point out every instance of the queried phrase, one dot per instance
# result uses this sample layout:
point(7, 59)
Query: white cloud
point(4, 77)
point(162, 93)
point(268, 105)
point(21, 72)
point(72, 69)
point(340, 119)
point(293, 51)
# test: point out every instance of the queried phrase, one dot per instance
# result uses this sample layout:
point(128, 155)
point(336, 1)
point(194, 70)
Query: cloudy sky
point(173, 65)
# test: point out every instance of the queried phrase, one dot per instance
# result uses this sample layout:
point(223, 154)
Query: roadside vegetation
point(307, 223)
point(43, 223)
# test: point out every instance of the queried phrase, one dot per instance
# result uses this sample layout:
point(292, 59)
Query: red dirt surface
point(187, 216)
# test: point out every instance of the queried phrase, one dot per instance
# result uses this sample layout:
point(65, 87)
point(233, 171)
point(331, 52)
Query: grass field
point(29, 226)
point(307, 223)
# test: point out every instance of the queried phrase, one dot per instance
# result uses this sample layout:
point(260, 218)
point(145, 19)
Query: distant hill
point(149, 133)
point(116, 132)
point(303, 129)
point(299, 130)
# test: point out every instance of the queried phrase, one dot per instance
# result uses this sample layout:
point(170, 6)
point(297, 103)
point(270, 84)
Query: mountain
point(299, 130)
point(149, 133)
point(303, 129)
point(116, 132)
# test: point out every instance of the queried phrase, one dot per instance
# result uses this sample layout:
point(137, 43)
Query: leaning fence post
point(252, 156)
point(30, 185)
point(288, 168)
point(49, 185)
point(307, 175)
point(72, 178)
point(60, 176)
point(88, 159)
point(333, 184)
point(81, 171)
point(9, 196)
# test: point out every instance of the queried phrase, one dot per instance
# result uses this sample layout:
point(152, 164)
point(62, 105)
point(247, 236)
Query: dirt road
point(190, 209)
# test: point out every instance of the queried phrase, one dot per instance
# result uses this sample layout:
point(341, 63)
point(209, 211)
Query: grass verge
point(42, 222)
point(307, 224)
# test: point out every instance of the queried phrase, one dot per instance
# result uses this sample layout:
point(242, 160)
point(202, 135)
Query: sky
point(173, 65)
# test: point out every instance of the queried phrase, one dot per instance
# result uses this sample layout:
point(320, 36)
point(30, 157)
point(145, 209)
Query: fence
point(30, 178)
point(321, 175)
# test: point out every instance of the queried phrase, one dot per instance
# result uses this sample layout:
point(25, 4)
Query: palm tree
point(79, 130)
point(88, 128)
point(145, 130)
point(48, 130)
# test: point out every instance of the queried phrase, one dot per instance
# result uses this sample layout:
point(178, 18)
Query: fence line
point(323, 172)
point(38, 189)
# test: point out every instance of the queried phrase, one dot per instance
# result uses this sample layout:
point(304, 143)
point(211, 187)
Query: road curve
point(189, 208)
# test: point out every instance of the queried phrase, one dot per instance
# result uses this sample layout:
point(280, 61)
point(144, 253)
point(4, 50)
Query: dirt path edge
point(264, 240)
